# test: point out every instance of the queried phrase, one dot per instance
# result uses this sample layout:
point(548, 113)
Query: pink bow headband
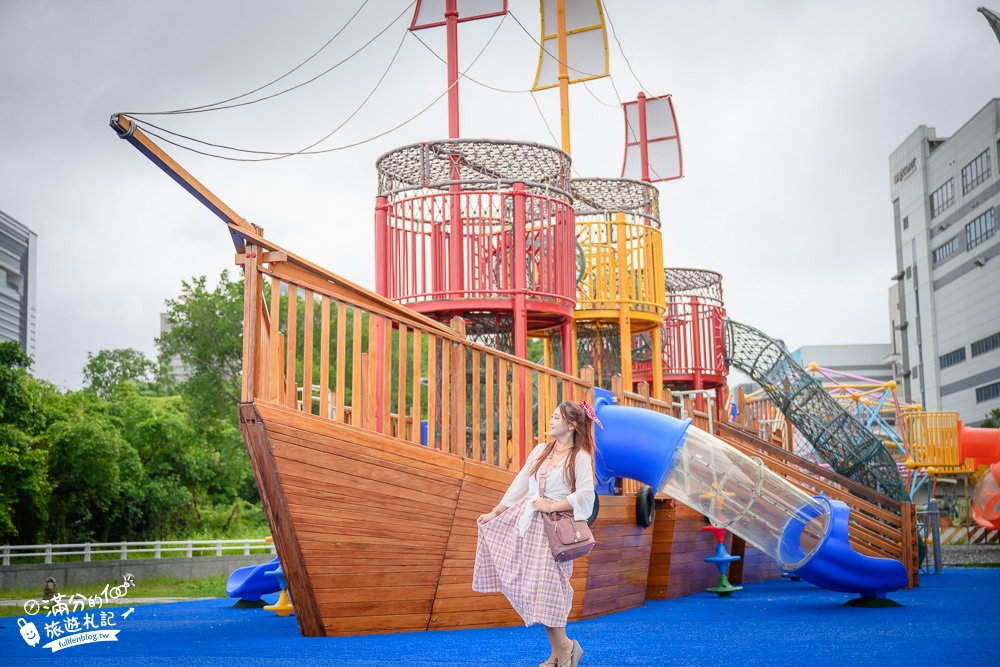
point(589, 410)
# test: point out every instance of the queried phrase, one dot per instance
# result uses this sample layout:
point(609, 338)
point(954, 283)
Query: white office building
point(863, 361)
point(18, 252)
point(945, 306)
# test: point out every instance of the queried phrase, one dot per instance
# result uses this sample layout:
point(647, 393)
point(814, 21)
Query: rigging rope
point(273, 155)
point(215, 106)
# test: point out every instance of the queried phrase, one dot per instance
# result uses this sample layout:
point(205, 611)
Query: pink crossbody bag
point(568, 538)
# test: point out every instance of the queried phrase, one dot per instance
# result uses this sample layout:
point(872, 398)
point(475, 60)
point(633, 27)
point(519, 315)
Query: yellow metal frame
point(934, 444)
point(622, 280)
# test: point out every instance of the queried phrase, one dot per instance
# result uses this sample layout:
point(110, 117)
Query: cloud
point(787, 111)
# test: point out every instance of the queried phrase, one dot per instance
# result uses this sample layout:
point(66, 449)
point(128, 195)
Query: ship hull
point(376, 534)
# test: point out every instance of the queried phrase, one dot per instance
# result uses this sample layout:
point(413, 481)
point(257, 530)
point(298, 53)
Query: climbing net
point(599, 345)
point(681, 284)
point(596, 196)
point(481, 164)
point(837, 437)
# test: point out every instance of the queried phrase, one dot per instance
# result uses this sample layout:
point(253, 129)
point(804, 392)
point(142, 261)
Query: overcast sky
point(787, 110)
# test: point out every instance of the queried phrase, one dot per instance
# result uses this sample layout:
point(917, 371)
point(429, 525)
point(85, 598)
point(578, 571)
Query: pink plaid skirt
point(523, 569)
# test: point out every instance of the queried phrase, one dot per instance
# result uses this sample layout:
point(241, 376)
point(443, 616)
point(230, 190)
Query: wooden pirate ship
point(379, 425)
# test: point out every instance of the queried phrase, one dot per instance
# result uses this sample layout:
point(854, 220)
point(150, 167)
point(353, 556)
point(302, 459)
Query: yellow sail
point(586, 43)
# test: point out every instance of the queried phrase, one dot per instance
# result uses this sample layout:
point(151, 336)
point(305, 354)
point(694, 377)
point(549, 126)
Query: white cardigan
point(556, 487)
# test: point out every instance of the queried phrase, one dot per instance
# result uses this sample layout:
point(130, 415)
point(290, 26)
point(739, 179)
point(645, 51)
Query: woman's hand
point(486, 518)
point(542, 505)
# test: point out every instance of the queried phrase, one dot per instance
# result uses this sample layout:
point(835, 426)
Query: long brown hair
point(583, 439)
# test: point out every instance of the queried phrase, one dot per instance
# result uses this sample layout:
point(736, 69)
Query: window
point(942, 253)
point(909, 272)
point(942, 198)
point(906, 222)
point(984, 345)
point(988, 393)
point(980, 229)
point(952, 358)
point(976, 172)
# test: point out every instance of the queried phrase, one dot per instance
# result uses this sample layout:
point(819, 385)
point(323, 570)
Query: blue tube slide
point(806, 536)
point(251, 582)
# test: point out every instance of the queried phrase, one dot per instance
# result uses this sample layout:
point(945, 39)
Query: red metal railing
point(513, 245)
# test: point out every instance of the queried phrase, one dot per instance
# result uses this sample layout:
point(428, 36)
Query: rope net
point(837, 437)
point(681, 284)
point(478, 164)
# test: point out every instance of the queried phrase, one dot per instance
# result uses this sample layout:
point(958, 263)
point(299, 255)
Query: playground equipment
point(721, 560)
point(479, 229)
point(619, 293)
point(806, 536)
point(283, 607)
point(839, 438)
point(692, 350)
point(251, 582)
point(986, 501)
point(872, 403)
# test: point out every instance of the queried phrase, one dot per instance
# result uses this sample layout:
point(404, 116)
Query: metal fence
point(158, 549)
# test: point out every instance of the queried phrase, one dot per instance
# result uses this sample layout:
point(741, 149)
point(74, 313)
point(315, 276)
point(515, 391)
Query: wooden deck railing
point(379, 366)
point(369, 362)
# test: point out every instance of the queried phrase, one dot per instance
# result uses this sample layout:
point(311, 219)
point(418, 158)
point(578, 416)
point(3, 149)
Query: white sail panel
point(661, 151)
point(586, 43)
point(430, 13)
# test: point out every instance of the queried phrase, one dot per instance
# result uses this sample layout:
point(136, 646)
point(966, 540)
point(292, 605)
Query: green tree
point(206, 333)
point(992, 419)
point(109, 368)
point(24, 485)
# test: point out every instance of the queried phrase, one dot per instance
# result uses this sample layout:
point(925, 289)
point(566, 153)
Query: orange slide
point(981, 444)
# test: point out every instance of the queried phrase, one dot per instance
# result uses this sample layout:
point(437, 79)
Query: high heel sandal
point(574, 657)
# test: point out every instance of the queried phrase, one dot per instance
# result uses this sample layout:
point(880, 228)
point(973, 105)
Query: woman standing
point(513, 555)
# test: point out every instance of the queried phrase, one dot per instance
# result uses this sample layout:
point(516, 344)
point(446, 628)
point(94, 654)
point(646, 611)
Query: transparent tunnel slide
point(805, 535)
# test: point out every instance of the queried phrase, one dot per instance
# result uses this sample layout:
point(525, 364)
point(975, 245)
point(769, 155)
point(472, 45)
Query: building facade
point(870, 361)
point(18, 251)
point(945, 305)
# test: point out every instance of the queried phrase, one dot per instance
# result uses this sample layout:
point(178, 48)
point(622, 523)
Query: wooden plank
point(357, 391)
point(477, 434)
point(262, 348)
point(401, 384)
point(274, 374)
point(490, 411)
point(346, 626)
point(352, 439)
point(416, 410)
point(250, 311)
point(324, 357)
point(286, 541)
point(433, 396)
point(447, 436)
point(307, 351)
point(291, 389)
point(503, 386)
point(340, 409)
point(385, 381)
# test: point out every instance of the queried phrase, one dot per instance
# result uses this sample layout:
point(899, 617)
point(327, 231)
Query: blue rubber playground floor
point(953, 618)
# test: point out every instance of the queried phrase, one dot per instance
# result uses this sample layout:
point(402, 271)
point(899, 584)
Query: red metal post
point(696, 351)
point(451, 28)
point(456, 282)
point(381, 245)
point(519, 267)
point(643, 142)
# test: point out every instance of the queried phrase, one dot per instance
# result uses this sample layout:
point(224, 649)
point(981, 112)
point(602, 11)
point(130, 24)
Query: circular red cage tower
point(483, 230)
point(692, 333)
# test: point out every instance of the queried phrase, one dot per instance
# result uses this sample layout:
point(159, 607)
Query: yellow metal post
point(563, 74)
